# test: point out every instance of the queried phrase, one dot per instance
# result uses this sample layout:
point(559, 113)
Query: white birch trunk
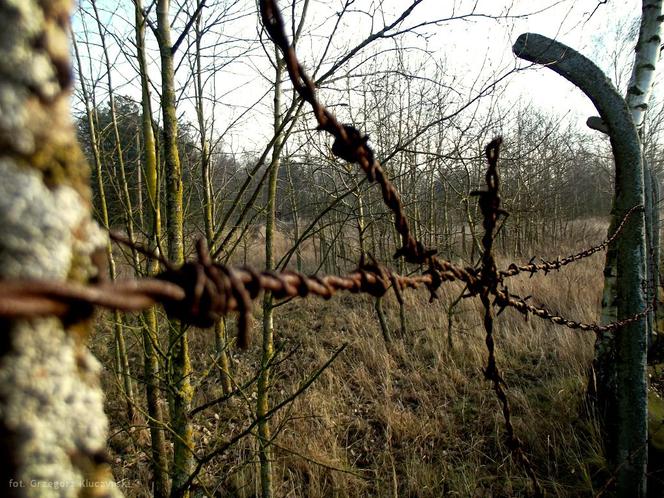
point(641, 82)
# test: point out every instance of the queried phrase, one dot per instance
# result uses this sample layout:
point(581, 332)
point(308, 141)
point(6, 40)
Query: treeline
point(551, 177)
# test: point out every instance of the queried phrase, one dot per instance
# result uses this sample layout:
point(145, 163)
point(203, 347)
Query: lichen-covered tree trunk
point(150, 332)
point(174, 206)
point(52, 424)
point(626, 429)
point(263, 387)
point(180, 375)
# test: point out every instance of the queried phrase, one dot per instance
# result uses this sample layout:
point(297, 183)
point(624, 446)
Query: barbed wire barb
point(489, 203)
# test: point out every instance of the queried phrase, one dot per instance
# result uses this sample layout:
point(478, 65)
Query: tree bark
point(150, 332)
point(52, 424)
point(646, 55)
point(180, 374)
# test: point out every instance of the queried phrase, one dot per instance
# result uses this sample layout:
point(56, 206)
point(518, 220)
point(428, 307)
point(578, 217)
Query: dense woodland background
point(404, 409)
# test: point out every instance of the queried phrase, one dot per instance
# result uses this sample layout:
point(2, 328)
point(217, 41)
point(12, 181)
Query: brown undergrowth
point(411, 418)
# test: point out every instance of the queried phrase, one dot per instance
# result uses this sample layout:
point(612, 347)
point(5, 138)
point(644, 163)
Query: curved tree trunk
point(625, 395)
point(52, 421)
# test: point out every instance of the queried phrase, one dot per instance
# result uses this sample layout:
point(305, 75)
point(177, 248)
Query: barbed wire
point(349, 143)
point(26, 298)
point(489, 203)
point(547, 266)
point(200, 291)
point(503, 299)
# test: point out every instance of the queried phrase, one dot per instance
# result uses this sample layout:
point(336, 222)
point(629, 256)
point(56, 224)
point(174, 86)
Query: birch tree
point(639, 91)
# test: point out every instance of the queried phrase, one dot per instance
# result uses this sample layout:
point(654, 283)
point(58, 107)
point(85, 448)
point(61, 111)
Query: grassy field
point(413, 418)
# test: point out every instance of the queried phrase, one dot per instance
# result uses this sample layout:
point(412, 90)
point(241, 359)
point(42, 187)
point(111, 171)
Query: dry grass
point(412, 419)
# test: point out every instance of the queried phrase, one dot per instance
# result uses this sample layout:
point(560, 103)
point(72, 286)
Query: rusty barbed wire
point(28, 298)
point(349, 143)
point(547, 266)
point(185, 291)
point(199, 292)
point(489, 203)
point(504, 299)
point(352, 146)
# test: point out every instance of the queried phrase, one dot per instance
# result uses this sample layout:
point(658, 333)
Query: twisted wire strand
point(547, 266)
point(177, 290)
point(503, 299)
point(199, 292)
point(349, 143)
point(487, 285)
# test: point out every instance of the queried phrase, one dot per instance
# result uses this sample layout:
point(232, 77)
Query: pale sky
point(473, 49)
